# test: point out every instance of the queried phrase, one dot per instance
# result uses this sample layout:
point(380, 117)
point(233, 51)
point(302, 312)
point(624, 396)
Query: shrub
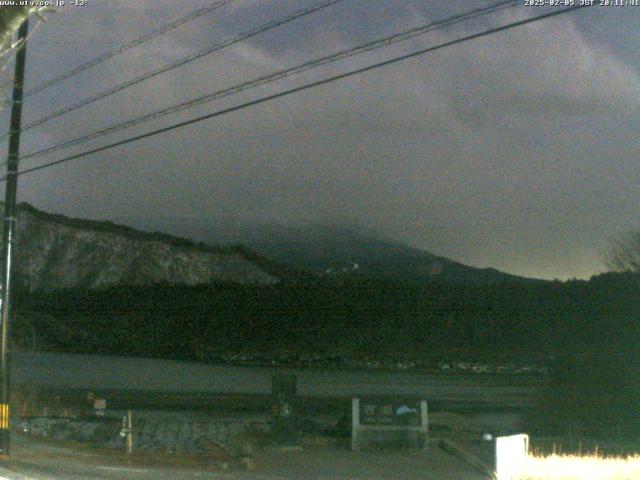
point(596, 394)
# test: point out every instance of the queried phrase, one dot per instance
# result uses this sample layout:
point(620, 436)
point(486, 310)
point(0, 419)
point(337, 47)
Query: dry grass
point(580, 467)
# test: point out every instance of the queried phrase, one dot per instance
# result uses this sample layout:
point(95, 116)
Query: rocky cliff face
point(57, 252)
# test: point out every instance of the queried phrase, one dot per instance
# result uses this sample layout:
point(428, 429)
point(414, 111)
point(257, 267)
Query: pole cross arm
point(10, 20)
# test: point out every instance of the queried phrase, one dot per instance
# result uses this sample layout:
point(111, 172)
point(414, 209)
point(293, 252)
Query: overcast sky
point(517, 151)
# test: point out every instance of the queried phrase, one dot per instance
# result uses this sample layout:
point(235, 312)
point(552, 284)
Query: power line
point(272, 77)
point(123, 48)
point(304, 87)
point(182, 61)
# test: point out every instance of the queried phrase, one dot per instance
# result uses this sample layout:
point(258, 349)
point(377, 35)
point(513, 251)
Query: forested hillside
point(359, 317)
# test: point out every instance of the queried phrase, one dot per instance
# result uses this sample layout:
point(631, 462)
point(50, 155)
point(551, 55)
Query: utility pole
point(8, 235)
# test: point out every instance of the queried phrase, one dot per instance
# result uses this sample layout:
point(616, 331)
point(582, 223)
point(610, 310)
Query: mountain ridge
point(54, 251)
point(57, 251)
point(334, 250)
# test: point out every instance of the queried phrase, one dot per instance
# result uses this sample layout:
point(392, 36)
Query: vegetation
point(578, 467)
point(624, 252)
point(592, 395)
point(588, 329)
point(359, 314)
point(593, 390)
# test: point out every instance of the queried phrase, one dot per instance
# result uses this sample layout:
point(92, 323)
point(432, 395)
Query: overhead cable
point(308, 86)
point(273, 77)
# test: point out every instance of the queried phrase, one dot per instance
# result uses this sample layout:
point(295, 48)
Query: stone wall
point(165, 432)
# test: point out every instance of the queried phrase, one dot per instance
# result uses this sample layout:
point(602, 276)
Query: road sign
point(386, 420)
point(99, 406)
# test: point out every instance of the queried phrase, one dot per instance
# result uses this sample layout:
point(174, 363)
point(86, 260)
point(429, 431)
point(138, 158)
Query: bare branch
point(624, 252)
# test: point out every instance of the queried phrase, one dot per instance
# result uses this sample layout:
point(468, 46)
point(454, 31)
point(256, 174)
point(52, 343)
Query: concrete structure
point(389, 420)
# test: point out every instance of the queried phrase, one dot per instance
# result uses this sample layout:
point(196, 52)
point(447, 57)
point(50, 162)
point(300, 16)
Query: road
point(34, 460)
point(185, 380)
point(153, 376)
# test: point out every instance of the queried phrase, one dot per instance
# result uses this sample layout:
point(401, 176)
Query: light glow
point(577, 467)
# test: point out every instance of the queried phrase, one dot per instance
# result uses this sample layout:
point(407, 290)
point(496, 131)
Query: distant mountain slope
point(54, 251)
point(338, 251)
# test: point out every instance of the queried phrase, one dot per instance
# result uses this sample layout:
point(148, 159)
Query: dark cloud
point(516, 151)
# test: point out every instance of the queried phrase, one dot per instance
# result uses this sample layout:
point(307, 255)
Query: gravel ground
point(38, 460)
point(322, 457)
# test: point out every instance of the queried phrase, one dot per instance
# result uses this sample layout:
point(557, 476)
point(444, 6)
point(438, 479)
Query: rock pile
point(171, 433)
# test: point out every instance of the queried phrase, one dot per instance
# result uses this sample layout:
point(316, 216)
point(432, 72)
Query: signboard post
point(284, 390)
point(389, 420)
point(99, 406)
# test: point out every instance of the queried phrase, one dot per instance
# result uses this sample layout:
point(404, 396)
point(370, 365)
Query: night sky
point(517, 151)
